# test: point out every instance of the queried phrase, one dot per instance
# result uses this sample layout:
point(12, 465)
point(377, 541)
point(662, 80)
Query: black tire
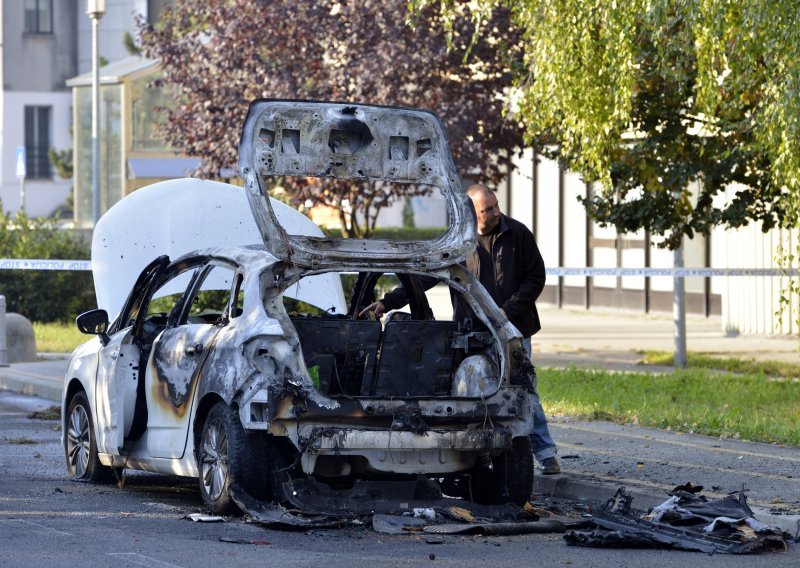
point(227, 455)
point(519, 470)
point(510, 477)
point(80, 444)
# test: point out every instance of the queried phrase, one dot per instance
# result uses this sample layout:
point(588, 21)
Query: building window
point(39, 16)
point(37, 142)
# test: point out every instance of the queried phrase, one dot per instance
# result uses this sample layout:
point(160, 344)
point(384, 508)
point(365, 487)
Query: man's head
point(486, 209)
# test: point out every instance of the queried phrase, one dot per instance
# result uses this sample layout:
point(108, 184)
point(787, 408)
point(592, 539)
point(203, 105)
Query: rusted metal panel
point(333, 439)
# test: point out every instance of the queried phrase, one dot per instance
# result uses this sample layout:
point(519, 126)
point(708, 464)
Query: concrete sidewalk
point(43, 378)
point(616, 339)
point(599, 457)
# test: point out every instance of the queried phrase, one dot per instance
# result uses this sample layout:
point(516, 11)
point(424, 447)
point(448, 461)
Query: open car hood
point(179, 216)
point(352, 142)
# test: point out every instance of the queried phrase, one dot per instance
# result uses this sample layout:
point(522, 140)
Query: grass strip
point(718, 362)
point(21, 441)
point(57, 337)
point(49, 413)
point(751, 407)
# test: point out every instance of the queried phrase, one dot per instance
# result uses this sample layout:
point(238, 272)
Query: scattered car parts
point(686, 521)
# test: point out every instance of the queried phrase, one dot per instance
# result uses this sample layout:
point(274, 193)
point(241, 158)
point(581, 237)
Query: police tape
point(671, 272)
point(52, 264)
point(43, 264)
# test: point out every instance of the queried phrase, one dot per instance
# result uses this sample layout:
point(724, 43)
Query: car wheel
point(509, 478)
point(518, 470)
point(227, 455)
point(80, 445)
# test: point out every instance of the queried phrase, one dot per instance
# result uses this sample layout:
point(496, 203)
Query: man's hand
point(376, 309)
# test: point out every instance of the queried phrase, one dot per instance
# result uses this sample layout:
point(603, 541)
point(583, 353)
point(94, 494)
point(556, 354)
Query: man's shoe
point(550, 466)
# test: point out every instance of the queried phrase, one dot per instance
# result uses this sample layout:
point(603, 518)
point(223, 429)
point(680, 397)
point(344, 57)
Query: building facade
point(545, 198)
point(43, 43)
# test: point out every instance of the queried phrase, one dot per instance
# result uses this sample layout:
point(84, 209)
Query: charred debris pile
point(685, 521)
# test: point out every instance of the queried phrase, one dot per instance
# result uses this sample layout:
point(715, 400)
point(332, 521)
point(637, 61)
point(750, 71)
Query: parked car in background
point(249, 368)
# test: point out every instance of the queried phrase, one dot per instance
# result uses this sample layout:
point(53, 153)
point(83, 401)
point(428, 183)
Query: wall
point(34, 70)
point(751, 304)
point(39, 62)
point(118, 19)
point(42, 197)
point(546, 199)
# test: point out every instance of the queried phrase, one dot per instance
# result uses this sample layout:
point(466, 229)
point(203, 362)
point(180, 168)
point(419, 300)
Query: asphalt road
point(656, 461)
point(46, 520)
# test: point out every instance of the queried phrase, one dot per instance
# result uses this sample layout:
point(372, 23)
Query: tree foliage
point(221, 54)
point(646, 96)
point(62, 161)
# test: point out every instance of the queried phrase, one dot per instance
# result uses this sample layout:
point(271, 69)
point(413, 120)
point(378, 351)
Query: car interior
point(410, 354)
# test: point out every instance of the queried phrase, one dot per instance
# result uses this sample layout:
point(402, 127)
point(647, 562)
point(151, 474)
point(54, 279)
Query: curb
point(578, 489)
point(32, 384)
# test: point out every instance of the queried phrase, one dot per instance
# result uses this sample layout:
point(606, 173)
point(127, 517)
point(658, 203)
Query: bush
point(44, 295)
point(397, 233)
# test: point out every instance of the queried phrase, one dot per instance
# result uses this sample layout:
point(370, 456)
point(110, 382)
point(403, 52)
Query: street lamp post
point(95, 9)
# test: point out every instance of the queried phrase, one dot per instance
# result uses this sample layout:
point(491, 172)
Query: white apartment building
point(42, 44)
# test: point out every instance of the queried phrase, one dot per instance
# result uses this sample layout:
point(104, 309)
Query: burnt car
point(250, 368)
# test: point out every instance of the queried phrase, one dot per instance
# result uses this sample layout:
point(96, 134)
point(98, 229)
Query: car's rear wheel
point(509, 479)
point(80, 445)
point(518, 470)
point(227, 455)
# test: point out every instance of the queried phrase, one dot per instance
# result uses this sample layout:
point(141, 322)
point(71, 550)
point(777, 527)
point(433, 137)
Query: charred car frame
point(249, 368)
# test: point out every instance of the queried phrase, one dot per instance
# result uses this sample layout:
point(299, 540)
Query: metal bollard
point(3, 344)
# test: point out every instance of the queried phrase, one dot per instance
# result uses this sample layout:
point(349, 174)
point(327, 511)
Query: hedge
point(43, 295)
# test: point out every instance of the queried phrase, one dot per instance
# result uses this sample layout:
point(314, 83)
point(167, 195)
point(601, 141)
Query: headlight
point(476, 376)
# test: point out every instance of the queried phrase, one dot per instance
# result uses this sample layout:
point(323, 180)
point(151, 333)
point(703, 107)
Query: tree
point(62, 161)
point(221, 54)
point(645, 96)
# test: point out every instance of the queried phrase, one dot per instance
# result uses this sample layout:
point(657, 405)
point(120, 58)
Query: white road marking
point(141, 559)
point(41, 529)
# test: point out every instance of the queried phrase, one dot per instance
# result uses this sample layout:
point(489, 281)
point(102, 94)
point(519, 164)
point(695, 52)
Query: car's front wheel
point(80, 445)
point(227, 455)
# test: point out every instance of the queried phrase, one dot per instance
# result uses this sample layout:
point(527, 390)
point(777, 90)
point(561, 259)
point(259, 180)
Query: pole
point(22, 193)
point(95, 121)
point(679, 306)
point(3, 337)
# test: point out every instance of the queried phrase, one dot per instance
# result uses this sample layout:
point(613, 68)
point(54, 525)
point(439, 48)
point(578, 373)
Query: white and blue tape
point(671, 272)
point(52, 264)
point(43, 264)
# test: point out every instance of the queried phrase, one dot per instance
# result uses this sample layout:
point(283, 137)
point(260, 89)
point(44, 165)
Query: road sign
point(21, 169)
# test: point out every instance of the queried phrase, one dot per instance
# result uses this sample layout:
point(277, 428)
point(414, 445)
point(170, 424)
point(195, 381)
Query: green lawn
point(57, 337)
point(747, 406)
point(712, 361)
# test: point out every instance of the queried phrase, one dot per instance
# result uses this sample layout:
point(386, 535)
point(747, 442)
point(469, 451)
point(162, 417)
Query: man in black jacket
point(509, 265)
